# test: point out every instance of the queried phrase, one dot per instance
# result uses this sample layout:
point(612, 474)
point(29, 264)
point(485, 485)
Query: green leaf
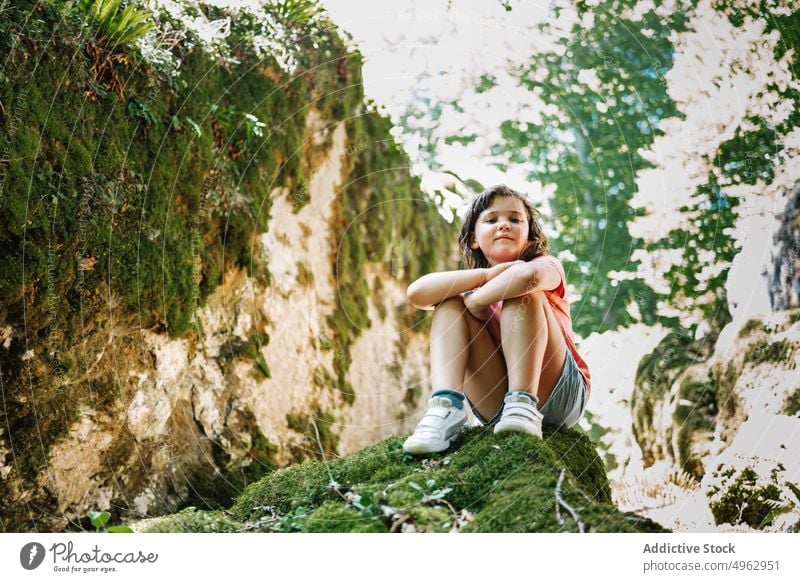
point(98, 518)
point(194, 126)
point(119, 529)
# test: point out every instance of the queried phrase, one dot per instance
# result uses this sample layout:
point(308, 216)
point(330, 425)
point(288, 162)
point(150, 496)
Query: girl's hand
point(478, 311)
point(492, 272)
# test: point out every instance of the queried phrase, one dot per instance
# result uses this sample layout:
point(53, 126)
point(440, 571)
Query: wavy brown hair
point(474, 258)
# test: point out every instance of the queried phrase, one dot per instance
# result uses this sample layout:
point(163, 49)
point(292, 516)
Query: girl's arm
point(430, 290)
point(520, 279)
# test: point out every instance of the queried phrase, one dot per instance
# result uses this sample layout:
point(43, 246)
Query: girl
point(501, 335)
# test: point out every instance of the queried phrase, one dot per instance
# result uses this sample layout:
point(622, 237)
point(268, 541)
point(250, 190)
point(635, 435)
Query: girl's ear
point(473, 243)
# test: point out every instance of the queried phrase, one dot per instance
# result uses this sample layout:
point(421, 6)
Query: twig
point(398, 524)
point(560, 501)
point(333, 484)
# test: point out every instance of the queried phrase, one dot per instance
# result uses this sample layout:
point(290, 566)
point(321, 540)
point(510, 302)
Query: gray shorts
point(566, 403)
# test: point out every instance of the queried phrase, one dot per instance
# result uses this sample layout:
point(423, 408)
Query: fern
point(116, 25)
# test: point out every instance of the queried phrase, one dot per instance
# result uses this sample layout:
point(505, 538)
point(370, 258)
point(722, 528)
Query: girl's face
point(501, 231)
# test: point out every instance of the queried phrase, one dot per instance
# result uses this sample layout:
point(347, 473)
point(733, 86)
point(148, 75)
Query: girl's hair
point(474, 258)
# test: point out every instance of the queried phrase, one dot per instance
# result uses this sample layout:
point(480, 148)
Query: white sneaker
point(437, 429)
point(519, 415)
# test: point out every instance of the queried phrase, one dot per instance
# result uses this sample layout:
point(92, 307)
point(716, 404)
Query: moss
point(744, 502)
point(322, 378)
point(791, 406)
point(765, 351)
point(656, 374)
point(694, 414)
point(574, 449)
point(240, 464)
point(752, 325)
point(190, 520)
point(316, 427)
point(305, 277)
point(380, 205)
point(412, 395)
point(486, 482)
point(252, 350)
point(150, 199)
point(378, 300)
point(334, 517)
point(725, 377)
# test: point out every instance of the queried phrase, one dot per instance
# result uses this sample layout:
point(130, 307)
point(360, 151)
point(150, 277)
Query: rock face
point(721, 450)
point(211, 307)
point(240, 394)
point(784, 275)
point(484, 483)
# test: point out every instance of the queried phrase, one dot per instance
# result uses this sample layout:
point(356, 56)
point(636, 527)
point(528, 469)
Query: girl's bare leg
point(449, 345)
point(465, 357)
point(534, 348)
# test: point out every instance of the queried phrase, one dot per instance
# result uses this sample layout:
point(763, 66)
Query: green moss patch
point(485, 483)
point(752, 326)
point(656, 374)
point(765, 351)
point(743, 501)
point(316, 427)
point(695, 415)
point(791, 405)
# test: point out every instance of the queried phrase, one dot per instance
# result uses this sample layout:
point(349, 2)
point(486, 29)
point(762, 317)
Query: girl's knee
point(451, 303)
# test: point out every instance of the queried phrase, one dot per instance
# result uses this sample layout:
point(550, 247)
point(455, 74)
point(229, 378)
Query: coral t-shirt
point(557, 298)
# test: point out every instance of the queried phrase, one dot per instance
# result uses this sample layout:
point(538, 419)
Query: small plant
point(295, 12)
point(113, 27)
point(292, 521)
point(99, 520)
point(142, 111)
point(116, 25)
point(395, 450)
point(368, 505)
point(254, 126)
point(429, 492)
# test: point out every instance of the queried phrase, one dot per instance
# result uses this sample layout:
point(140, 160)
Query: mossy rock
point(484, 483)
point(745, 500)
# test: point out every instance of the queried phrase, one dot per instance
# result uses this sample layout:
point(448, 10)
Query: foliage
point(763, 351)
point(117, 25)
point(99, 519)
point(601, 98)
point(744, 501)
point(791, 405)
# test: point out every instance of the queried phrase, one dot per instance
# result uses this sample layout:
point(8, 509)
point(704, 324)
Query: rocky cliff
point(201, 278)
point(713, 445)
